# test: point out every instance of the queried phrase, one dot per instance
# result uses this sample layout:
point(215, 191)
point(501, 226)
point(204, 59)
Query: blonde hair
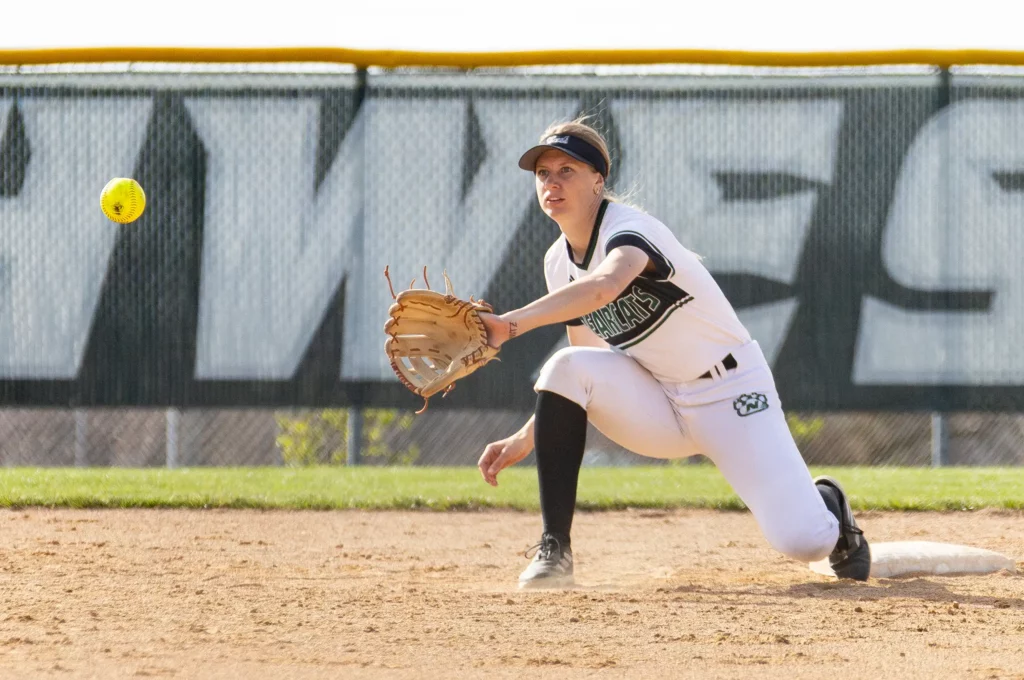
point(580, 127)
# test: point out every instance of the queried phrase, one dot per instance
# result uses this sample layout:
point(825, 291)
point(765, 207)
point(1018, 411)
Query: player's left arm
point(579, 298)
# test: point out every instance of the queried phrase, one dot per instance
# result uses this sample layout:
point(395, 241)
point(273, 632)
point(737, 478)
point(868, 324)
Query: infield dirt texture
point(680, 594)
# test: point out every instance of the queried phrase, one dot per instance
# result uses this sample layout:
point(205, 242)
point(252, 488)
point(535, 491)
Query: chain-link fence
point(862, 221)
point(156, 438)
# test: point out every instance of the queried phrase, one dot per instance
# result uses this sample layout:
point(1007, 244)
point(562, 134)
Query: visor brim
point(528, 161)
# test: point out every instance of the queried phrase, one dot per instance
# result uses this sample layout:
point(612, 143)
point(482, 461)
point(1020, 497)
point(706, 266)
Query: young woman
point(659, 363)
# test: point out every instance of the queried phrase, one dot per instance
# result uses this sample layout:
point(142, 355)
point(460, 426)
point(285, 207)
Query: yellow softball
point(123, 200)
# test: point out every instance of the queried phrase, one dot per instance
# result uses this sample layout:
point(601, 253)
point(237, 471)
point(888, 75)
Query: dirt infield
point(246, 594)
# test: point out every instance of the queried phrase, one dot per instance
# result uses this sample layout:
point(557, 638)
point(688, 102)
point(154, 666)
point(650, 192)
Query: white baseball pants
point(723, 418)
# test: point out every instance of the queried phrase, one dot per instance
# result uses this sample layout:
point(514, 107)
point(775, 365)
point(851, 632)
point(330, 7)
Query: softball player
point(659, 363)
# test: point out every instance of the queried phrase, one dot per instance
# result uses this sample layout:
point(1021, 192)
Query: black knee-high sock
point(560, 435)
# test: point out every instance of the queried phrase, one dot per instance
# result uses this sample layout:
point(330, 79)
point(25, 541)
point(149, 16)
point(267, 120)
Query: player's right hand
point(502, 453)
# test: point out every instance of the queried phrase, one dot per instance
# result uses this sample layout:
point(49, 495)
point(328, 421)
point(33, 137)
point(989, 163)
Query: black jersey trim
point(655, 327)
point(663, 268)
point(592, 245)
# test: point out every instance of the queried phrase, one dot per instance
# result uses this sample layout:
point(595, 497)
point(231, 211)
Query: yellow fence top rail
point(467, 60)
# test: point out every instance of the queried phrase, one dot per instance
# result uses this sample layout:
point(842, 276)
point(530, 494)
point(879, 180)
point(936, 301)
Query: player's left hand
point(435, 339)
point(499, 331)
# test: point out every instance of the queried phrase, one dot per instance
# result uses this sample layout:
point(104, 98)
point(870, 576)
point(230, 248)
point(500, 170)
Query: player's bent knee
point(565, 374)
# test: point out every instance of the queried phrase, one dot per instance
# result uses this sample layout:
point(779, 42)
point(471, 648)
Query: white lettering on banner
point(274, 249)
point(674, 148)
point(415, 213)
point(952, 227)
point(769, 324)
point(56, 242)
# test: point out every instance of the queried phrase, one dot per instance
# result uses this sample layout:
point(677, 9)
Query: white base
point(905, 558)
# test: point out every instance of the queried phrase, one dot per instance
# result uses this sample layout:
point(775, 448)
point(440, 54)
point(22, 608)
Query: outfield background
point(861, 218)
point(861, 210)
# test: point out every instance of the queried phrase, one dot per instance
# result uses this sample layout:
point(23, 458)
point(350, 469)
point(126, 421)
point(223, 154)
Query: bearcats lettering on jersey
point(637, 311)
point(675, 321)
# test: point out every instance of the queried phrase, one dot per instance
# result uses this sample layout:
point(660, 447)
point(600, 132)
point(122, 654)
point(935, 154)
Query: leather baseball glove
point(434, 339)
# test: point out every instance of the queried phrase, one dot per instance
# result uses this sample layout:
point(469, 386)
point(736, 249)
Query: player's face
point(565, 186)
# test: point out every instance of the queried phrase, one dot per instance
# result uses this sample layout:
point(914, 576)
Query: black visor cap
point(579, 149)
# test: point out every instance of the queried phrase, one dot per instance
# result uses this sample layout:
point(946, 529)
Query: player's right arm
point(505, 452)
point(509, 451)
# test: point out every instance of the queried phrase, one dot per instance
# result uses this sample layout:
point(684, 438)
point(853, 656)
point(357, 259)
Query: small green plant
point(804, 430)
point(321, 437)
point(300, 439)
point(376, 424)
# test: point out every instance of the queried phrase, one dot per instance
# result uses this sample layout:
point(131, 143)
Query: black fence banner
point(865, 226)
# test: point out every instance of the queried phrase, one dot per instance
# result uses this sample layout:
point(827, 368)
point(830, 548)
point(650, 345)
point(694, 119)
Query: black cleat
point(851, 558)
point(551, 566)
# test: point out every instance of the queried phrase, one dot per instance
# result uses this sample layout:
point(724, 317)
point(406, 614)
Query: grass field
point(687, 486)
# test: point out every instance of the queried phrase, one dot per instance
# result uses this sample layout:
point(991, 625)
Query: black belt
point(729, 362)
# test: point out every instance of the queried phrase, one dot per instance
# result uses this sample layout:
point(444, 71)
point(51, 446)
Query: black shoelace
point(547, 549)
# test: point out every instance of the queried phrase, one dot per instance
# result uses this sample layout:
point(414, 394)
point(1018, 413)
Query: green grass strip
point(323, 488)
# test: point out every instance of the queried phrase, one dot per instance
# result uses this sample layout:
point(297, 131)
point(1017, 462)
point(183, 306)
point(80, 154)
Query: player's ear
point(599, 185)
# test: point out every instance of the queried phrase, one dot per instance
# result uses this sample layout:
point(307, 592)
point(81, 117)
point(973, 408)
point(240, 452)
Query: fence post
point(940, 423)
point(940, 440)
point(81, 438)
point(354, 441)
point(173, 430)
point(355, 435)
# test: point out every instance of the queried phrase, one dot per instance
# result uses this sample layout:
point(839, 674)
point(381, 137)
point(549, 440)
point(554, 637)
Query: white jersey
point(674, 321)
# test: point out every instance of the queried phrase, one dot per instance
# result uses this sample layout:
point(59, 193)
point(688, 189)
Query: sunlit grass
point(683, 486)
